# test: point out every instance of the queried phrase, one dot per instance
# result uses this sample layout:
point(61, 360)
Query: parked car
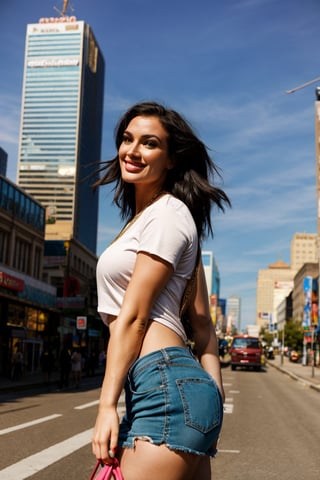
point(246, 351)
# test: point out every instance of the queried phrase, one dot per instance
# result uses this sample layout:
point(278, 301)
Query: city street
point(271, 430)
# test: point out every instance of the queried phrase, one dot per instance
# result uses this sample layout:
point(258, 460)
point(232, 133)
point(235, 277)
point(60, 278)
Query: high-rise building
point(211, 272)
point(212, 276)
point(61, 126)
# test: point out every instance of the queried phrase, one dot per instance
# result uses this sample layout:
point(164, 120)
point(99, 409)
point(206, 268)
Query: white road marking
point(234, 391)
point(33, 464)
point(219, 451)
point(29, 424)
point(87, 405)
point(228, 399)
point(228, 408)
point(95, 402)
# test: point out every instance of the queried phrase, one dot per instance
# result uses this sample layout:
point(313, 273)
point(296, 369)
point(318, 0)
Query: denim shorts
point(171, 400)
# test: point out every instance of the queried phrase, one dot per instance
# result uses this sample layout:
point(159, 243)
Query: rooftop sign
point(65, 19)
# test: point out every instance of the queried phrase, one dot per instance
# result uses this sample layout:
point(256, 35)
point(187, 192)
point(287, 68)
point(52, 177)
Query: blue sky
point(225, 65)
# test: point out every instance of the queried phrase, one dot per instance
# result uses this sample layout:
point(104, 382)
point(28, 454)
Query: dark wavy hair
point(191, 178)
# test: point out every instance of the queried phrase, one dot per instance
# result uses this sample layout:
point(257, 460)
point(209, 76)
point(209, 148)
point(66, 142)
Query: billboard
point(307, 291)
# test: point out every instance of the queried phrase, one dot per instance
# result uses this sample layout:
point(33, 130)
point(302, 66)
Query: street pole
point(282, 344)
point(317, 142)
point(312, 349)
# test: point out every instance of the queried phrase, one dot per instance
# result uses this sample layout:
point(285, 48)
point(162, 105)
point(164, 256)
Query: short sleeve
point(165, 234)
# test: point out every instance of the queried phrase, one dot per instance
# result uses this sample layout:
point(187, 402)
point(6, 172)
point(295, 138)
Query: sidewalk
point(36, 380)
point(26, 382)
point(297, 371)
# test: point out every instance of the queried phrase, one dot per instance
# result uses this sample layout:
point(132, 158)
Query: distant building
point(233, 308)
point(303, 249)
point(61, 126)
point(273, 285)
point(280, 280)
point(213, 282)
point(211, 273)
point(3, 162)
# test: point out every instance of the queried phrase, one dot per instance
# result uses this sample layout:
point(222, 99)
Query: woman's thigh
point(157, 462)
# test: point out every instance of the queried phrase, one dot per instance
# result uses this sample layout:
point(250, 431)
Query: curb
point(302, 380)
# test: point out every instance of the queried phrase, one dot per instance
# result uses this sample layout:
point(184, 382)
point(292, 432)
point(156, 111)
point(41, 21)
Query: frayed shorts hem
point(176, 448)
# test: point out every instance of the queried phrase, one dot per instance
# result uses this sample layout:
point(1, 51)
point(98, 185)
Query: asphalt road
point(271, 430)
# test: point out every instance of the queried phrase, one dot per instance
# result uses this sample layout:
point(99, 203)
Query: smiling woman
point(144, 158)
point(174, 400)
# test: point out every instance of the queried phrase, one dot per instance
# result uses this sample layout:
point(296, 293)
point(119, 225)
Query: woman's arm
point(203, 330)
point(149, 277)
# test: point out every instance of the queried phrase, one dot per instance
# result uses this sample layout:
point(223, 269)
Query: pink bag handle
point(107, 471)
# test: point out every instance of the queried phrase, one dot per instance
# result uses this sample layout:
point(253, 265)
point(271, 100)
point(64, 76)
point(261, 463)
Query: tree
point(293, 335)
point(267, 336)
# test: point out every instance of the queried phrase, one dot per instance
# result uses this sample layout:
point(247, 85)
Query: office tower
point(61, 126)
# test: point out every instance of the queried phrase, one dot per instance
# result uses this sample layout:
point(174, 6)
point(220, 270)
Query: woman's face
point(143, 153)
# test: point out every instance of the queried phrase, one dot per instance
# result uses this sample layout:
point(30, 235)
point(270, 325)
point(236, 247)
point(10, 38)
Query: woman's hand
point(105, 434)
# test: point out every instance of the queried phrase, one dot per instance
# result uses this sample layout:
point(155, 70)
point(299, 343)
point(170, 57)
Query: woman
point(173, 400)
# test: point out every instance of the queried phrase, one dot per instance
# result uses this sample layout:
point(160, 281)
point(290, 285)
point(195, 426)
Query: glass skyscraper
point(61, 126)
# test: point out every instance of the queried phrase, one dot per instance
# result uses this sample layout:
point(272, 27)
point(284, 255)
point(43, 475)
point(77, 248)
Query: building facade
point(303, 250)
point(298, 293)
point(28, 312)
point(61, 126)
point(273, 285)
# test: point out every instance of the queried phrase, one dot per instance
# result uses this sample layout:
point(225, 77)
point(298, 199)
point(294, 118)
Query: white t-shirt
point(165, 229)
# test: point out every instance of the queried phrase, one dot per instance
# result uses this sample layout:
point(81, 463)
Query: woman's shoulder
point(171, 213)
point(170, 204)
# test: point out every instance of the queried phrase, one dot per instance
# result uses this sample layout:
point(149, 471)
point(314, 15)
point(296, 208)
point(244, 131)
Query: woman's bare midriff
point(156, 337)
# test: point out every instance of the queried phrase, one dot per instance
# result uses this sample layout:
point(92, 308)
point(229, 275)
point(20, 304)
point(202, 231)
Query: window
point(22, 255)
point(4, 246)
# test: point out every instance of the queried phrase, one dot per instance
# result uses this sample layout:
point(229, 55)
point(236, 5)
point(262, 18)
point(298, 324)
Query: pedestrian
point(65, 367)
point(17, 363)
point(47, 364)
point(174, 398)
point(76, 367)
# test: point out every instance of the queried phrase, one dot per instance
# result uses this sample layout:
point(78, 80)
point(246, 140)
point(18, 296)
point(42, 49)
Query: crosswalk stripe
point(33, 464)
point(29, 424)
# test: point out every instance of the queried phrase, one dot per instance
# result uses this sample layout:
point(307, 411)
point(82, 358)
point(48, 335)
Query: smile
point(133, 167)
